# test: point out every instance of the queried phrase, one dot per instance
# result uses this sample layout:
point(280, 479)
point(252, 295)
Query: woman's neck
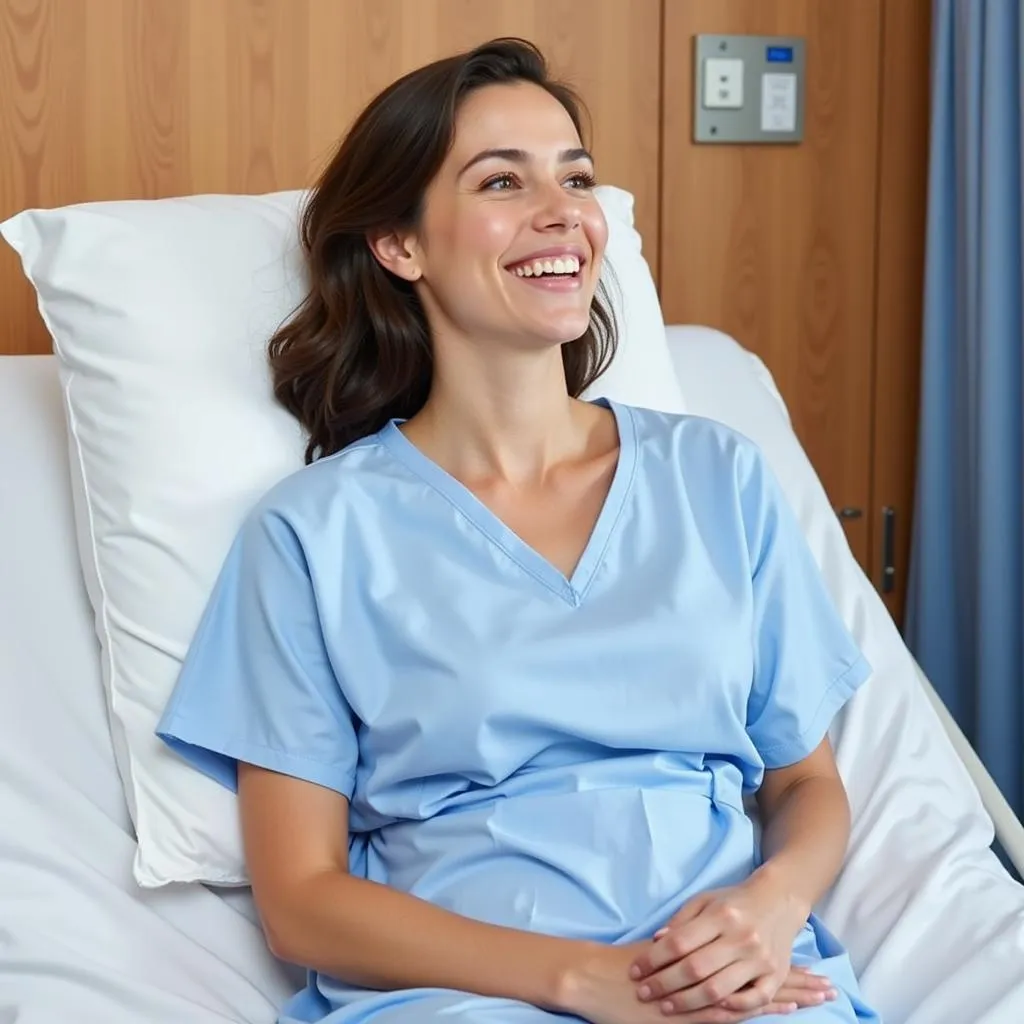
point(507, 417)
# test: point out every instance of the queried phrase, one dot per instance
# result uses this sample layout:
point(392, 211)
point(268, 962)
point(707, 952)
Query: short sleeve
point(257, 683)
point(806, 664)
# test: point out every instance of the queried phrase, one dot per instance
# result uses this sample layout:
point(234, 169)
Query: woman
point(493, 674)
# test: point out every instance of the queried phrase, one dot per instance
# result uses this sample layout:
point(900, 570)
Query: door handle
point(888, 549)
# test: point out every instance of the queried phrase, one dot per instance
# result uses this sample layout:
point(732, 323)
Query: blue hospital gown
point(566, 756)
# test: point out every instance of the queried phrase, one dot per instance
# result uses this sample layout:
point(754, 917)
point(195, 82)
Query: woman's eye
point(500, 183)
point(583, 180)
point(506, 181)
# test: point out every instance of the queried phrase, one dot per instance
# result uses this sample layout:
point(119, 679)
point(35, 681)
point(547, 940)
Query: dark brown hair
point(357, 351)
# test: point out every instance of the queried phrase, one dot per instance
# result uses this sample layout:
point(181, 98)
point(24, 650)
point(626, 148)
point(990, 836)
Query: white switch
point(778, 102)
point(723, 82)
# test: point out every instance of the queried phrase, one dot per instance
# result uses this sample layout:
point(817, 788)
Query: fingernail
point(831, 994)
point(667, 1007)
point(645, 991)
point(634, 972)
point(660, 933)
point(791, 1008)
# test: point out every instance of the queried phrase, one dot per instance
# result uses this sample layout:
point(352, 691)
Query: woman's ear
point(397, 253)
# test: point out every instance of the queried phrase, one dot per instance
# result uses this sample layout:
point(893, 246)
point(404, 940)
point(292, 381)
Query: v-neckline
point(572, 589)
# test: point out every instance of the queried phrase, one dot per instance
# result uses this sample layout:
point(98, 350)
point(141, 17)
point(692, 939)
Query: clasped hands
point(725, 957)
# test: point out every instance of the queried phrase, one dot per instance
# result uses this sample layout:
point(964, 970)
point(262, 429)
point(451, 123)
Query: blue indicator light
point(779, 55)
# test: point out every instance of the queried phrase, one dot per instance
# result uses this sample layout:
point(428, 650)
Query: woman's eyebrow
point(520, 156)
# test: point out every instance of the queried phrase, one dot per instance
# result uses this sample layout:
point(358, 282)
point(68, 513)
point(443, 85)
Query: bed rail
point(1009, 830)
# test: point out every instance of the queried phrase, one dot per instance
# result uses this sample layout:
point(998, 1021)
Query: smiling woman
point(443, 210)
point(495, 672)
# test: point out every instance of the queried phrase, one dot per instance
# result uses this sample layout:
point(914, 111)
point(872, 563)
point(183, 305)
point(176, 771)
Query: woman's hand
point(728, 947)
point(601, 991)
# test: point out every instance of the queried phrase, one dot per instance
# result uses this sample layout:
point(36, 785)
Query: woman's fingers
point(804, 977)
point(678, 942)
point(719, 1015)
point(713, 990)
point(691, 972)
point(775, 1006)
point(804, 989)
point(756, 996)
point(807, 996)
point(673, 948)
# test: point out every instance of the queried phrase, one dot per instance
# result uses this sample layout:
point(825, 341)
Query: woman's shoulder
point(716, 471)
point(317, 493)
point(676, 440)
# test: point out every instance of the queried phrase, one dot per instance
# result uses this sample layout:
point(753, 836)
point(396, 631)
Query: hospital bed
point(933, 921)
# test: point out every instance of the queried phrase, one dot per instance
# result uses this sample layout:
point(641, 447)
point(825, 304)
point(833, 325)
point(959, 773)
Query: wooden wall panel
point(775, 244)
point(902, 210)
point(117, 99)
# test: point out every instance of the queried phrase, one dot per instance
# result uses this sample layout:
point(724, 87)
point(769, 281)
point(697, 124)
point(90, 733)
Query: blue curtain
point(965, 613)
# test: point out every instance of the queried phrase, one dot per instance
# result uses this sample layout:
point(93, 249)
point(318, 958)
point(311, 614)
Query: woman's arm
point(806, 828)
point(314, 913)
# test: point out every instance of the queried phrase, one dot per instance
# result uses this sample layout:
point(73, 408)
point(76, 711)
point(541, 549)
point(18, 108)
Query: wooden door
point(902, 206)
point(775, 244)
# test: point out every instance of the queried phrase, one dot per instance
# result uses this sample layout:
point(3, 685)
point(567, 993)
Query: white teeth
point(562, 265)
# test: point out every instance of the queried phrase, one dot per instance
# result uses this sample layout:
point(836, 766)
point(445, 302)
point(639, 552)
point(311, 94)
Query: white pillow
point(160, 313)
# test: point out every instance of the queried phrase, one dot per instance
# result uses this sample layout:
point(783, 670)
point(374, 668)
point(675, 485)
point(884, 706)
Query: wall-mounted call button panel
point(748, 89)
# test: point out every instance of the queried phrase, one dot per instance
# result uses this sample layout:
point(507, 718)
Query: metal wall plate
point(771, 80)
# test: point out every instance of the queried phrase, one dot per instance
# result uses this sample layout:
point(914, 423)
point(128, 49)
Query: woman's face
point(511, 238)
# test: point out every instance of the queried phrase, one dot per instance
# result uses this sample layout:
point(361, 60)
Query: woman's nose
point(559, 208)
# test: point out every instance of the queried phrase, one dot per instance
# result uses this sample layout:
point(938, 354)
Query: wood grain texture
point(41, 135)
point(902, 213)
point(775, 244)
point(125, 99)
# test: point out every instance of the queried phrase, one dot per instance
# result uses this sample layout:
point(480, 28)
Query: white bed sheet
point(934, 924)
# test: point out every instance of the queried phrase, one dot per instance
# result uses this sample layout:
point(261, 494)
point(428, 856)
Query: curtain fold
point(965, 610)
